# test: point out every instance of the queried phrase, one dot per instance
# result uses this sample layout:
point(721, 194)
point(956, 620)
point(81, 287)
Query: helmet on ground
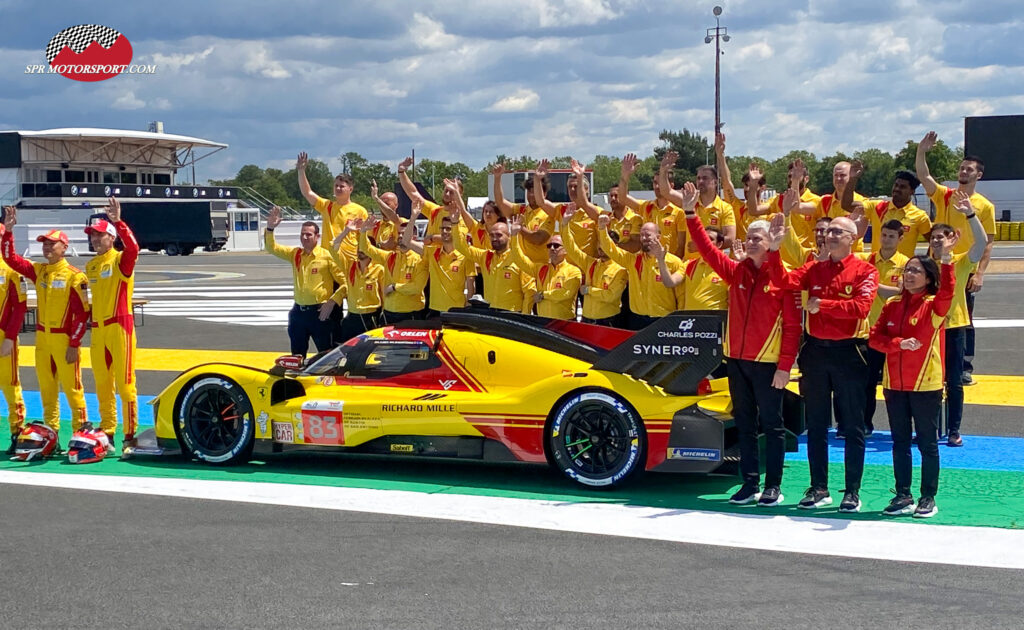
point(88, 445)
point(35, 441)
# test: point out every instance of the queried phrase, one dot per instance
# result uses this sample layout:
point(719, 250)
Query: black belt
point(310, 307)
point(836, 343)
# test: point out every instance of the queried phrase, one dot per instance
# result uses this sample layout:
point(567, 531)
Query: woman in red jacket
point(909, 331)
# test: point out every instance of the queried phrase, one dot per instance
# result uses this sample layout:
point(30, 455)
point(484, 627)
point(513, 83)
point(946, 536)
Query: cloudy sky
point(465, 80)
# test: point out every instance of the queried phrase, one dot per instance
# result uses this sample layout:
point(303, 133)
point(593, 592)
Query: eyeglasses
point(834, 231)
point(554, 245)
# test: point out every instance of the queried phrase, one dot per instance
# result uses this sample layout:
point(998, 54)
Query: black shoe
point(57, 451)
point(954, 439)
point(746, 494)
point(14, 444)
point(900, 504)
point(840, 435)
point(926, 508)
point(850, 502)
point(815, 498)
point(868, 430)
point(770, 497)
point(967, 380)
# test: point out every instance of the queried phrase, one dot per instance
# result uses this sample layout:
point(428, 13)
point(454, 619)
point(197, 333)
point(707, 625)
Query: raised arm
point(378, 255)
point(538, 189)
point(409, 232)
point(403, 178)
point(505, 207)
point(13, 260)
point(751, 190)
point(270, 244)
point(921, 162)
point(529, 266)
point(130, 254)
point(300, 168)
point(581, 199)
point(846, 201)
point(573, 252)
point(475, 254)
point(385, 209)
point(616, 253)
point(728, 192)
point(669, 278)
point(724, 266)
point(962, 203)
point(629, 163)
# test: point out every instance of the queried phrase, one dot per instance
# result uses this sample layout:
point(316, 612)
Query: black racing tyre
point(215, 421)
point(596, 438)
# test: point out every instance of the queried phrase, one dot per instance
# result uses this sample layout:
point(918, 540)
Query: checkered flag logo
point(78, 38)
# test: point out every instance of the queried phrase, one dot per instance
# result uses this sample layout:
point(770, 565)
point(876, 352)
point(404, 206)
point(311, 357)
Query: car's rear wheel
point(596, 438)
point(215, 421)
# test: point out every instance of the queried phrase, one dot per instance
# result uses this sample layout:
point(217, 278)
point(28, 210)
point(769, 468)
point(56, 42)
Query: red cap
point(53, 235)
point(103, 227)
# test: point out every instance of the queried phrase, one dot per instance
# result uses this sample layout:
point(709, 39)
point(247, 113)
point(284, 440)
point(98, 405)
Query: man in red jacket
point(833, 359)
point(763, 333)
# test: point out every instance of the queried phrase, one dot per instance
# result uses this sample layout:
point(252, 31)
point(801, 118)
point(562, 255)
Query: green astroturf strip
point(966, 497)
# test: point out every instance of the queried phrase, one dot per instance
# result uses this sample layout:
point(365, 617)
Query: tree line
point(282, 188)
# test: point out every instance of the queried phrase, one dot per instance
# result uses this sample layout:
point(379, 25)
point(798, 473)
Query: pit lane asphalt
point(114, 560)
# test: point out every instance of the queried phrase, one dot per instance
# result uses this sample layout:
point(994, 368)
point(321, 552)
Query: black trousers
point(355, 324)
point(907, 411)
point(969, 334)
point(607, 321)
point(303, 323)
point(876, 364)
point(639, 322)
point(839, 369)
point(757, 408)
point(954, 359)
point(390, 318)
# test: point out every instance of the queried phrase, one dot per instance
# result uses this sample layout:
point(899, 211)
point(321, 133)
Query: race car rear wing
point(675, 353)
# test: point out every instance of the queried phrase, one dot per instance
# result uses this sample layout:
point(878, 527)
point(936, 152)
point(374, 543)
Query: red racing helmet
point(36, 441)
point(88, 445)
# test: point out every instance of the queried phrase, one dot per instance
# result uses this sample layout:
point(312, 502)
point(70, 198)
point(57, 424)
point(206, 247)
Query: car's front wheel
point(596, 438)
point(215, 421)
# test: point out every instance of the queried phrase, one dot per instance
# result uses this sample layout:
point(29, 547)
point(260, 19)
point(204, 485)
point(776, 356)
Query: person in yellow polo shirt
point(889, 262)
point(314, 273)
point(915, 221)
point(713, 211)
point(660, 211)
point(702, 289)
point(363, 290)
point(536, 225)
point(753, 185)
point(802, 217)
point(404, 277)
point(603, 279)
point(972, 168)
point(650, 295)
point(831, 205)
point(557, 281)
point(385, 234)
point(337, 212)
point(943, 236)
point(452, 277)
point(506, 285)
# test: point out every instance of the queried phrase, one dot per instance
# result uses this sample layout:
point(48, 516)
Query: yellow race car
point(597, 403)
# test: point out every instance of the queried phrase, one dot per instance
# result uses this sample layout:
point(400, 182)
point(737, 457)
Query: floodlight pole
point(719, 34)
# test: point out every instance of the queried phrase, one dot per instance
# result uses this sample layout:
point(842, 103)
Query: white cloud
point(128, 100)
point(174, 62)
point(519, 101)
point(429, 33)
point(259, 63)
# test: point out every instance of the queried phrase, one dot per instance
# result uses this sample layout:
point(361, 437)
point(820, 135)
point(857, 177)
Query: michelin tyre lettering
point(215, 421)
point(596, 438)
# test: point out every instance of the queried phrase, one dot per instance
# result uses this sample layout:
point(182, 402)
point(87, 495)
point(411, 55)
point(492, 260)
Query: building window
point(162, 179)
point(53, 177)
point(129, 178)
point(74, 177)
point(110, 177)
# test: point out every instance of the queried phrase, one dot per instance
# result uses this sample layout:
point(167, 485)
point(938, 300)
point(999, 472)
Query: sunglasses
point(554, 245)
point(833, 231)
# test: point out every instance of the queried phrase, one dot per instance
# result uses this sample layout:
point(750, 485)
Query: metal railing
point(253, 196)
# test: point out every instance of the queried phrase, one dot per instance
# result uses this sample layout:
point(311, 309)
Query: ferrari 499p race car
point(597, 403)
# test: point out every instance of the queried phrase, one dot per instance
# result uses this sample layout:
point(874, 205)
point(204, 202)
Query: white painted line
point(980, 322)
point(903, 542)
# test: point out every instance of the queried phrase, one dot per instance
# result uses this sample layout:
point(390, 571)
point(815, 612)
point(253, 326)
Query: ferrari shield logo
point(849, 288)
point(913, 321)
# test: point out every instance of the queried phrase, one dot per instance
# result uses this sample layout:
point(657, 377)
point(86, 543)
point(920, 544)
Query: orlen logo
point(89, 52)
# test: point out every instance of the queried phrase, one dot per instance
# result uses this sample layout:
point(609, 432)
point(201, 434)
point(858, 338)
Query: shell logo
point(89, 52)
